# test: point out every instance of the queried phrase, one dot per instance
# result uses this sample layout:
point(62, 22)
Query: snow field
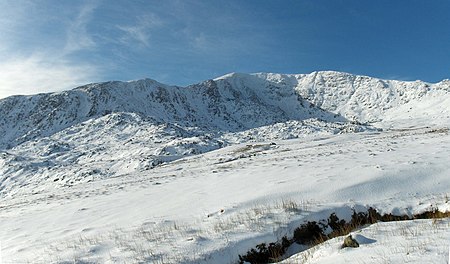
point(162, 215)
point(418, 241)
point(144, 172)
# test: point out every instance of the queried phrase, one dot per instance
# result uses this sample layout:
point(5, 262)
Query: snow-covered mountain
point(80, 162)
point(233, 102)
point(222, 105)
point(360, 98)
point(109, 129)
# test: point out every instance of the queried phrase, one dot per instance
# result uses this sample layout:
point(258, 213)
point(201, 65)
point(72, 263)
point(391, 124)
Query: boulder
point(350, 242)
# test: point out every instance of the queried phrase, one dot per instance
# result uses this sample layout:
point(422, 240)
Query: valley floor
point(212, 207)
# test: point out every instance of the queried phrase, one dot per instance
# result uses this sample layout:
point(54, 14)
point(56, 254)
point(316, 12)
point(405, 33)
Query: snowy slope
point(142, 171)
point(419, 241)
point(232, 102)
point(209, 105)
point(211, 207)
point(65, 138)
point(364, 98)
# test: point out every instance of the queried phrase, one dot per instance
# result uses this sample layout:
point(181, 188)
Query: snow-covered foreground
point(212, 207)
point(139, 171)
point(418, 241)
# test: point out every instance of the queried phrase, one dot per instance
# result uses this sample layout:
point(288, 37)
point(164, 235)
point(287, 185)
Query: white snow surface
point(126, 172)
point(418, 241)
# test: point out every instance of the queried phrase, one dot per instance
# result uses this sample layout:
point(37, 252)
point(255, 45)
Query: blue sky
point(50, 45)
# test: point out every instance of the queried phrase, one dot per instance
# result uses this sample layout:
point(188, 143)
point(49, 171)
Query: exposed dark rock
point(350, 242)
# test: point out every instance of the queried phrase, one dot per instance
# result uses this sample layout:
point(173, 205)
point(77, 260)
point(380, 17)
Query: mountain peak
point(232, 75)
point(228, 103)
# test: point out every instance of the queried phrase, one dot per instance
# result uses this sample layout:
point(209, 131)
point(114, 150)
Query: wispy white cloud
point(53, 45)
point(141, 31)
point(214, 29)
point(78, 37)
point(199, 41)
point(12, 16)
point(37, 74)
point(48, 65)
point(133, 33)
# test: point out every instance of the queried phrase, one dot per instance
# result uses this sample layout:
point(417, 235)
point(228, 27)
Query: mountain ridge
point(114, 128)
point(232, 102)
point(49, 113)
